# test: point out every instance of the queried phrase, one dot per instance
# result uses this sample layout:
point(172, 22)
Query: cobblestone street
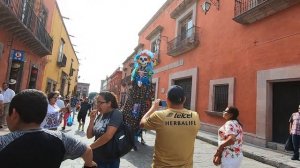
point(143, 157)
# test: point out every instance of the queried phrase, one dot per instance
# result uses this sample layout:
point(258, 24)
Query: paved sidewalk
point(264, 155)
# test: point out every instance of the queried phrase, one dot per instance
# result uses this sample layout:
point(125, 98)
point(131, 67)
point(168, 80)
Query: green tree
point(92, 95)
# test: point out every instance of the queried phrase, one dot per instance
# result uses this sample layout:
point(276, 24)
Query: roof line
point(165, 5)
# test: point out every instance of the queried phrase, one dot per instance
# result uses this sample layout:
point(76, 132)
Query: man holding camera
point(176, 129)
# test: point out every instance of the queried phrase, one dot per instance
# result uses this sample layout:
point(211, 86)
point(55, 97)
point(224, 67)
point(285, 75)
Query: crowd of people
point(34, 119)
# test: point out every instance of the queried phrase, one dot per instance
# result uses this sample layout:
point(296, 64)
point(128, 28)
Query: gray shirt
point(38, 148)
point(113, 118)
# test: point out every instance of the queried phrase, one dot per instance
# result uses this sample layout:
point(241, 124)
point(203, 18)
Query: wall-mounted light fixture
point(207, 4)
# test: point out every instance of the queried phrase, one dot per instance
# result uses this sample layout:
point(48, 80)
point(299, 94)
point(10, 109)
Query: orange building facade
point(24, 41)
point(243, 53)
point(114, 83)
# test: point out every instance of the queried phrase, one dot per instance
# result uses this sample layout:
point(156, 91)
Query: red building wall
point(229, 49)
point(11, 42)
point(115, 83)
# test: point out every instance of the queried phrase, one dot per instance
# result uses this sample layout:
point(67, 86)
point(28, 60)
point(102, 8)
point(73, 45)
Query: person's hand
point(155, 104)
point(93, 165)
point(217, 160)
point(62, 110)
point(217, 157)
point(93, 115)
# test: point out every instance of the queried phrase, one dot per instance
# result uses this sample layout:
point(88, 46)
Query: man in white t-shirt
point(8, 94)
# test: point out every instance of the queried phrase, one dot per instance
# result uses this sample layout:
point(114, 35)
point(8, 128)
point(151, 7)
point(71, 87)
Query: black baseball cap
point(176, 94)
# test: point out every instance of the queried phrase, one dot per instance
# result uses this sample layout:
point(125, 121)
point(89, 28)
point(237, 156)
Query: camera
point(162, 103)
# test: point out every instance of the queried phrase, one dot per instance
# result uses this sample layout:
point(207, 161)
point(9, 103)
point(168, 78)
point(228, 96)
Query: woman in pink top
point(230, 138)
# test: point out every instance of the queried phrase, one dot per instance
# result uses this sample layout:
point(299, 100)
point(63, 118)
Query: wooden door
point(286, 99)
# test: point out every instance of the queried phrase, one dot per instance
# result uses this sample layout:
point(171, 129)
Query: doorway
point(186, 84)
point(286, 99)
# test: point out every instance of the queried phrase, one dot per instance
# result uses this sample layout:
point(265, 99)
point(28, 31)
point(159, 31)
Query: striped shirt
point(38, 148)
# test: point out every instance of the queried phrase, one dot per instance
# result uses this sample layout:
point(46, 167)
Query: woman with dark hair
point(104, 123)
point(54, 113)
point(230, 138)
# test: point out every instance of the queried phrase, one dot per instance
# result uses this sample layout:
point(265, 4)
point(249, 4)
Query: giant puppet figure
point(140, 95)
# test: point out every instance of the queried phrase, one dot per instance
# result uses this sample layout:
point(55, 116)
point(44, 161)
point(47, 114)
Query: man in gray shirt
point(30, 146)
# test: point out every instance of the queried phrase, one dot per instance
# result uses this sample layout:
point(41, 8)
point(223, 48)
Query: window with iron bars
point(220, 97)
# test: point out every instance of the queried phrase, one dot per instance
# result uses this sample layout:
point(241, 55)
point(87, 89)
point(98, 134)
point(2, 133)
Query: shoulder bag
point(289, 144)
point(119, 145)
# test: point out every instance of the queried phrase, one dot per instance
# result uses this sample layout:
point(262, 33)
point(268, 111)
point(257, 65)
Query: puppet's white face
point(143, 60)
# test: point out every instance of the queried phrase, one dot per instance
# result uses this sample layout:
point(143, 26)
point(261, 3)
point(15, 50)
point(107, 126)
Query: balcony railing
point(184, 42)
point(19, 17)
point(62, 62)
point(249, 11)
point(126, 81)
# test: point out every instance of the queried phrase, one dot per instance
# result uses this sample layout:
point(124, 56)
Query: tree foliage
point(92, 95)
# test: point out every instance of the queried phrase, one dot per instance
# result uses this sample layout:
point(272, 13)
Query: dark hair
point(110, 97)
point(51, 95)
point(176, 95)
point(31, 105)
point(235, 113)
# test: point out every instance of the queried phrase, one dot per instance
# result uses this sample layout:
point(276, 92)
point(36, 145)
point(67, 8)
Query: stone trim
point(169, 66)
point(212, 83)
point(181, 8)
point(265, 78)
point(193, 72)
point(156, 81)
point(156, 31)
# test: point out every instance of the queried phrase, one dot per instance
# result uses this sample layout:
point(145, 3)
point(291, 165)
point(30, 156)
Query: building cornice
point(165, 5)
point(157, 30)
point(181, 8)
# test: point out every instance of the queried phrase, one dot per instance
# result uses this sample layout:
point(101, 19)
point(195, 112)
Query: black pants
point(81, 117)
point(296, 141)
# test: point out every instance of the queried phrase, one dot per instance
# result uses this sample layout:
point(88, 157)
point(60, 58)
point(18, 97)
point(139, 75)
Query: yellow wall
point(52, 70)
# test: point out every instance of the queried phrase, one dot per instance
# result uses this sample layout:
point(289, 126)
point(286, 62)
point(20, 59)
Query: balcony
point(126, 81)
point(62, 62)
point(19, 18)
point(249, 11)
point(184, 42)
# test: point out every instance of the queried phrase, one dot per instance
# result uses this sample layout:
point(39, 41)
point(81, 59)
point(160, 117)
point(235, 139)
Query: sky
point(105, 33)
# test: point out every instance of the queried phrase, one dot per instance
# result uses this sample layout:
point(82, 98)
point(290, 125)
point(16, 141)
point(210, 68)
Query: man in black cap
point(176, 129)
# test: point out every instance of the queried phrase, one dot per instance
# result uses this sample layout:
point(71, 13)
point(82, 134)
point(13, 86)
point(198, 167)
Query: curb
point(251, 155)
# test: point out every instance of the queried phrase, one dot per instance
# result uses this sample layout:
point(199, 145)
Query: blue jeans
point(296, 141)
point(111, 164)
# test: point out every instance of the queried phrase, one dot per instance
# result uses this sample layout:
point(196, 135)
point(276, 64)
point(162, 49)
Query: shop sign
point(18, 55)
